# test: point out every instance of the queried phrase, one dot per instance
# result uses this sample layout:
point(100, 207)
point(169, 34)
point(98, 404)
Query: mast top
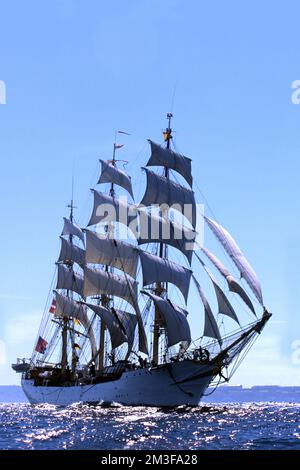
point(71, 207)
point(168, 132)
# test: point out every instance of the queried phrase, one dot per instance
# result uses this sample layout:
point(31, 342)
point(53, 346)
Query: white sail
point(233, 285)
point(116, 253)
point(129, 322)
point(117, 336)
point(174, 319)
point(237, 257)
point(98, 282)
point(69, 308)
point(210, 325)
point(224, 306)
point(154, 229)
point(112, 174)
point(161, 190)
point(168, 158)
point(67, 279)
point(71, 253)
point(70, 228)
point(156, 269)
point(218, 264)
point(111, 209)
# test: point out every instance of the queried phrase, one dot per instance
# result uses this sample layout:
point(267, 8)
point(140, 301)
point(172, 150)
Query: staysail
point(210, 325)
point(224, 306)
point(174, 318)
point(233, 285)
point(128, 322)
point(237, 257)
point(117, 336)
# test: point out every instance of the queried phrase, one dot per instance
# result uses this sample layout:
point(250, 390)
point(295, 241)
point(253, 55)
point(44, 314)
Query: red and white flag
point(41, 345)
point(52, 308)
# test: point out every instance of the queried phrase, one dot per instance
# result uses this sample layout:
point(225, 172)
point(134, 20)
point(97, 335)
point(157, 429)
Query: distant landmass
point(224, 394)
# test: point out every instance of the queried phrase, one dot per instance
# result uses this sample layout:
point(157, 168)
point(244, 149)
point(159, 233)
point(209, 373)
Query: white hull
point(151, 387)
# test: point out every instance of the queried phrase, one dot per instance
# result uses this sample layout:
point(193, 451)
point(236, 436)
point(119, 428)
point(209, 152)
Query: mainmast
point(64, 356)
point(104, 298)
point(163, 253)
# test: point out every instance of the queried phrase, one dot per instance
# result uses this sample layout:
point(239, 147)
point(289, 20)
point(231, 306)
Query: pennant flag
point(123, 132)
point(76, 346)
point(41, 345)
point(76, 322)
point(52, 308)
point(118, 146)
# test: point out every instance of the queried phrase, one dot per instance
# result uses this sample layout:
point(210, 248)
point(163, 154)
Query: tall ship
point(142, 312)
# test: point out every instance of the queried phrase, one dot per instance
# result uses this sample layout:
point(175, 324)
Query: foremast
point(66, 320)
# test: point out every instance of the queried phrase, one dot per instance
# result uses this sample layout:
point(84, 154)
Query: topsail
point(161, 190)
point(168, 158)
point(111, 252)
point(111, 209)
point(70, 228)
point(156, 269)
point(111, 174)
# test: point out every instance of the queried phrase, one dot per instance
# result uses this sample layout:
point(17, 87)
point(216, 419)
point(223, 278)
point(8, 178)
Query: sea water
point(231, 426)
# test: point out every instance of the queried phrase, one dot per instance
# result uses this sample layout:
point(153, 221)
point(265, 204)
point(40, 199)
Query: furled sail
point(168, 158)
point(224, 306)
point(237, 257)
point(112, 174)
point(111, 209)
point(71, 253)
point(97, 281)
point(156, 269)
point(154, 229)
point(210, 325)
point(70, 228)
point(233, 285)
point(174, 318)
point(67, 279)
point(161, 190)
point(116, 253)
point(117, 336)
point(69, 308)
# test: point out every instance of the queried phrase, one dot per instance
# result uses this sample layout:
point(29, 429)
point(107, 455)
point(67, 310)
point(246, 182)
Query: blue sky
point(76, 71)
